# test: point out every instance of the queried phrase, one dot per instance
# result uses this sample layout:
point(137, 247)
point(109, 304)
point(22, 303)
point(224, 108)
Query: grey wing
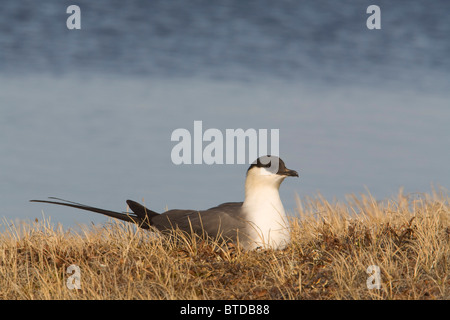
point(224, 220)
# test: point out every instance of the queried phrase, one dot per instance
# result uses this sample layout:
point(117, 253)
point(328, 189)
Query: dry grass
point(333, 244)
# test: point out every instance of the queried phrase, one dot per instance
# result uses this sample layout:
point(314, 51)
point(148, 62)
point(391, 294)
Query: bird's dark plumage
point(172, 219)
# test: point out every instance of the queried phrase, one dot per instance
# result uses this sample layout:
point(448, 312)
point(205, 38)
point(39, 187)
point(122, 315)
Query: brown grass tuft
point(333, 245)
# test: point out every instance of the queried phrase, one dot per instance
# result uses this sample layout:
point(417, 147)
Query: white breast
point(268, 225)
point(267, 222)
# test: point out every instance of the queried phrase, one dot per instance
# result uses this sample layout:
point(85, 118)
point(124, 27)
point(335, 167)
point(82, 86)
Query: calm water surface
point(87, 114)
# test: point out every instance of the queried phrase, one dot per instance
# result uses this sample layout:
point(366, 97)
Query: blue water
point(87, 114)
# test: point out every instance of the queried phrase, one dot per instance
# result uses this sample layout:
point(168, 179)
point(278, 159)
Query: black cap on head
point(273, 164)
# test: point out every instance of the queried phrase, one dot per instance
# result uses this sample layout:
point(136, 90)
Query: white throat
point(264, 210)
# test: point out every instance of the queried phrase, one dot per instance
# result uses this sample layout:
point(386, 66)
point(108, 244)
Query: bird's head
point(268, 171)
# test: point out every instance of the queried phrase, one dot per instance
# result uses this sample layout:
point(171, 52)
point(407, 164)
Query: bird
point(259, 221)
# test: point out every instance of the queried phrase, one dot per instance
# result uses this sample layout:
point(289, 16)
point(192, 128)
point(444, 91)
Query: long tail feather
point(125, 216)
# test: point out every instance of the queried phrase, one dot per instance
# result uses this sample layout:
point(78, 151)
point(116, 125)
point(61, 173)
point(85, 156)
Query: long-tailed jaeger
point(259, 221)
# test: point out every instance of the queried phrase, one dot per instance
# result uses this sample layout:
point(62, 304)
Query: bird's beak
point(290, 173)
